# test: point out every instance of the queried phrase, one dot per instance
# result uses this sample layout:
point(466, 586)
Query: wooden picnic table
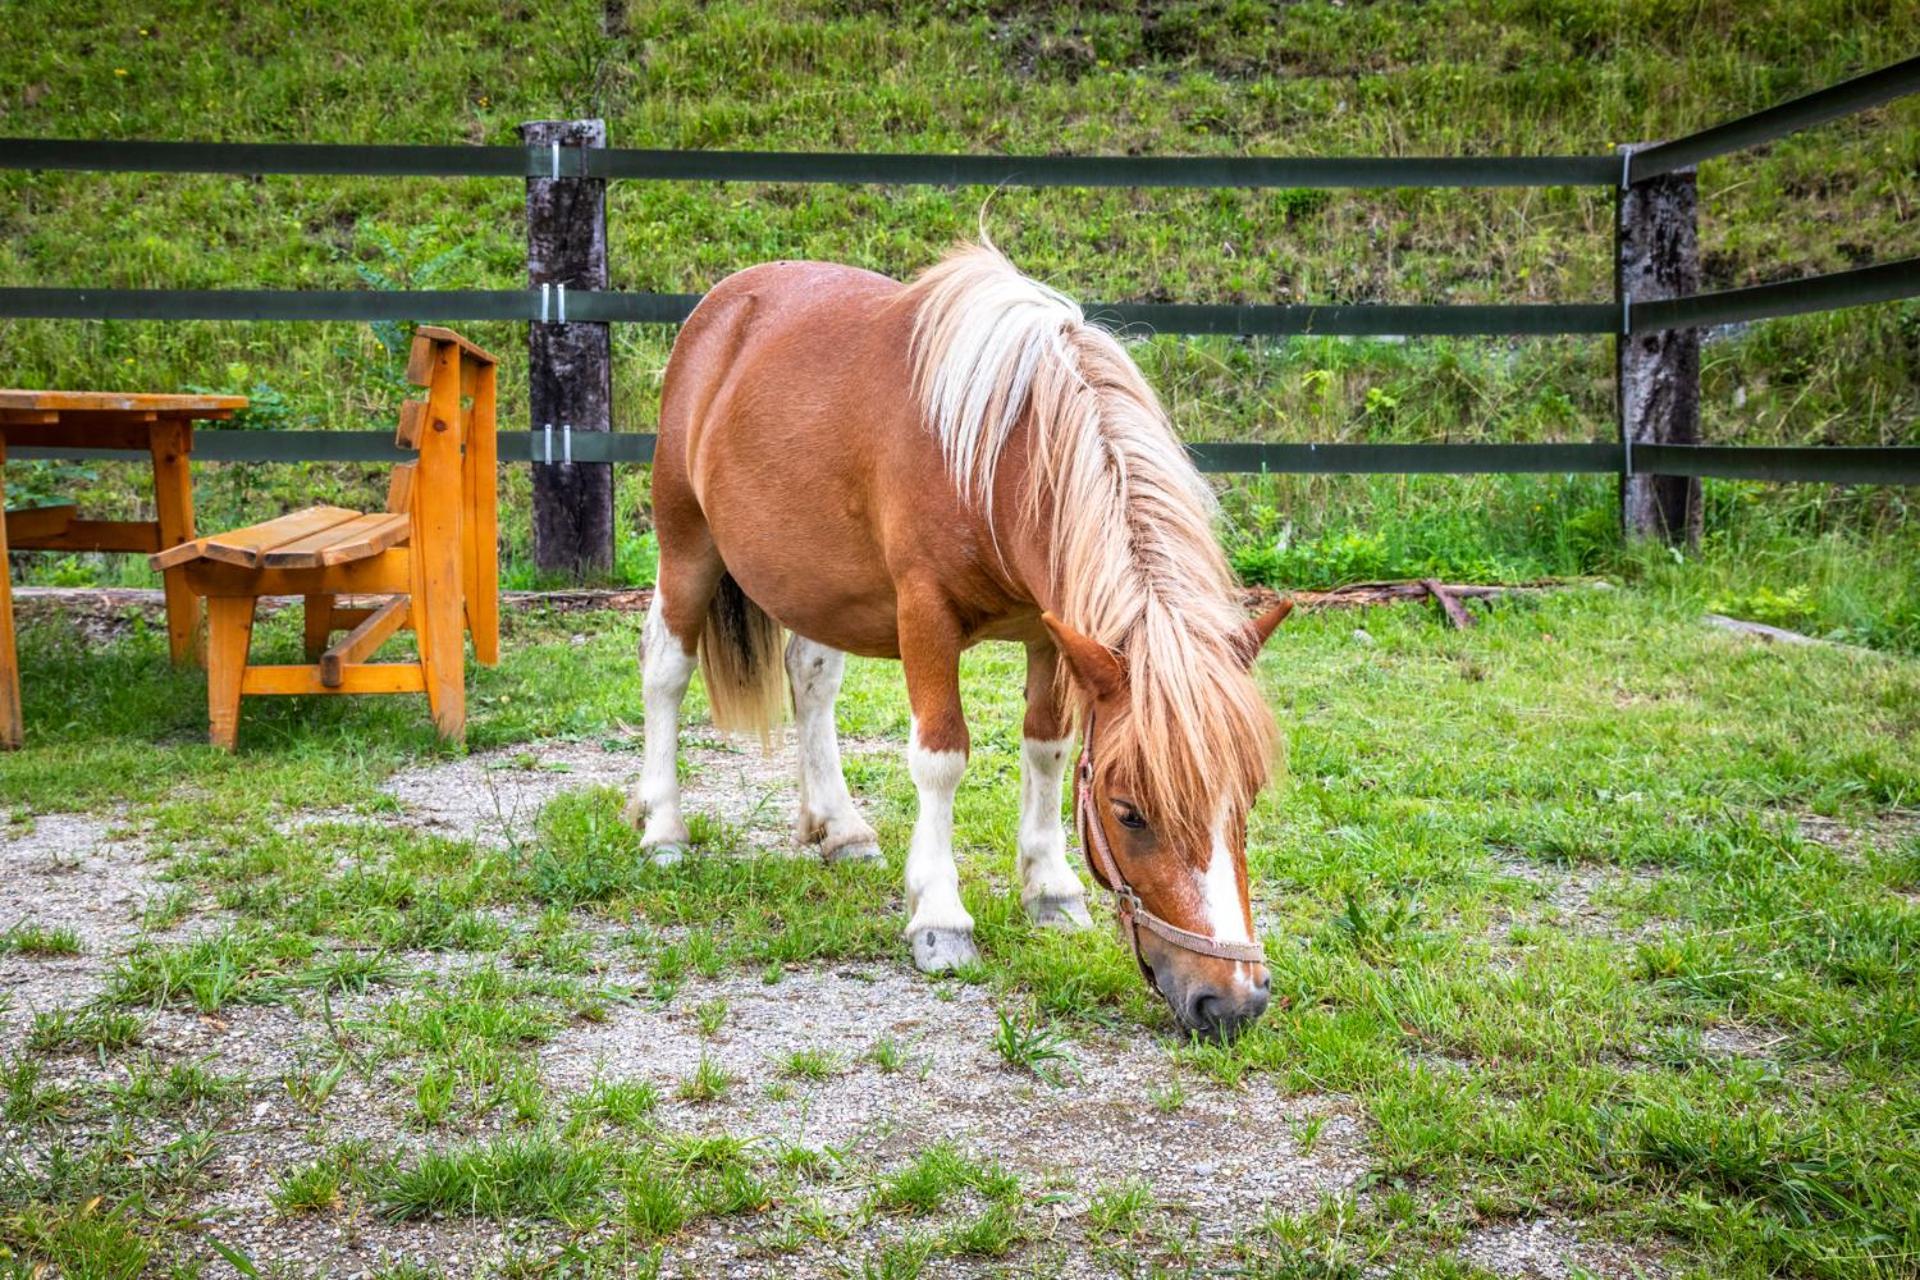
point(160, 426)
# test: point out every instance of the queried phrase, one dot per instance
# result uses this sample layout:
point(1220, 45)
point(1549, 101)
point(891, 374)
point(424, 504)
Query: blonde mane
point(1134, 562)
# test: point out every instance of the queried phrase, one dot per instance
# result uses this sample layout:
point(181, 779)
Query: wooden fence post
point(569, 366)
point(1657, 255)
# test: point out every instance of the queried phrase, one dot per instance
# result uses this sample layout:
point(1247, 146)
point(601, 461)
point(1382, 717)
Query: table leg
point(173, 502)
point(9, 658)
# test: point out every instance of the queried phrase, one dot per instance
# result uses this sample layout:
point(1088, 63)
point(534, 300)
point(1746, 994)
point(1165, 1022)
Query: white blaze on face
point(1220, 890)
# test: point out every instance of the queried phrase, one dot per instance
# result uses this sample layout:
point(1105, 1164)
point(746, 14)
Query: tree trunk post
point(1657, 256)
point(569, 365)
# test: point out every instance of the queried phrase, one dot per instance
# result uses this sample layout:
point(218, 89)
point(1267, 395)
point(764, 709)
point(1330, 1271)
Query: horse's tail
point(740, 656)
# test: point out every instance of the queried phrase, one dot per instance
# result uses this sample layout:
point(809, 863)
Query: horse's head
point(1174, 856)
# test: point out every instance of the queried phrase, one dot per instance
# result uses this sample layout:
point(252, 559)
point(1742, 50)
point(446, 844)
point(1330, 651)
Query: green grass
point(91, 1027)
point(812, 1063)
point(535, 1177)
point(707, 1082)
point(29, 938)
point(942, 1171)
point(1032, 1047)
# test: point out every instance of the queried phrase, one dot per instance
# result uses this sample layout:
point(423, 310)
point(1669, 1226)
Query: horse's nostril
point(1213, 1014)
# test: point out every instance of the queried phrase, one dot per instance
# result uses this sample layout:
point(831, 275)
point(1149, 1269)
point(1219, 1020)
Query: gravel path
point(1218, 1161)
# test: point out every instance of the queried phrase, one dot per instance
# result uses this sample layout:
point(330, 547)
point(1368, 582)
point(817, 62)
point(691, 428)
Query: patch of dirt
point(1546, 1249)
point(496, 797)
point(1883, 832)
point(1576, 897)
point(71, 871)
point(1734, 1040)
point(1098, 1127)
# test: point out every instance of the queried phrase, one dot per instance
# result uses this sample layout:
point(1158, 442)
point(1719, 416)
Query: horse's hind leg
point(1049, 890)
point(827, 816)
point(668, 655)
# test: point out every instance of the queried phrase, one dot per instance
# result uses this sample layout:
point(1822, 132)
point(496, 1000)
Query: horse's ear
point(1097, 668)
point(1256, 632)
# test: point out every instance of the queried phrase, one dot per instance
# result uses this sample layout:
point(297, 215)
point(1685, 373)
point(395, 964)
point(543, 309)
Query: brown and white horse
point(902, 471)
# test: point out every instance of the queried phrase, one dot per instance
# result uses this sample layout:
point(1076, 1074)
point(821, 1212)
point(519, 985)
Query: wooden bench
point(433, 553)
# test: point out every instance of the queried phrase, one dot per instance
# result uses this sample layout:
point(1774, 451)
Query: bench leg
point(9, 657)
point(442, 644)
point(319, 620)
point(229, 631)
point(173, 504)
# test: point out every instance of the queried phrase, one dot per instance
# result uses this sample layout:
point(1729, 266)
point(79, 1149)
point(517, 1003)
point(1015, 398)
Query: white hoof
point(940, 950)
point(666, 855)
point(1058, 911)
point(858, 849)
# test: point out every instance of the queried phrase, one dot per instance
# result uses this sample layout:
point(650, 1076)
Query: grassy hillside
point(1183, 77)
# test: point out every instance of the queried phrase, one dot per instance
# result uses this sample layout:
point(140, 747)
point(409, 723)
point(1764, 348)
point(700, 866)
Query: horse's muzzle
point(1216, 1012)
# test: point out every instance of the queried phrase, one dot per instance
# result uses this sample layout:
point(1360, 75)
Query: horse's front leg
point(938, 927)
point(1049, 889)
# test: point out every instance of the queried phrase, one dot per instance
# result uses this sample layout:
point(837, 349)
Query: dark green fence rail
point(1881, 283)
point(1826, 464)
point(254, 158)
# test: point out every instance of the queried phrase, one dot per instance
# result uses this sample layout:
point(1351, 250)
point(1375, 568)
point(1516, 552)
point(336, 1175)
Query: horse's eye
point(1130, 818)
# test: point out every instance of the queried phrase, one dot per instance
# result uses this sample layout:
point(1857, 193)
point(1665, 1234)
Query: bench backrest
point(451, 490)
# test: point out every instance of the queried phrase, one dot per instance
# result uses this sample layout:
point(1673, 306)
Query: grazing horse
point(902, 471)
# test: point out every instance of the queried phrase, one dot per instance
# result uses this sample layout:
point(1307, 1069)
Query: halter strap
point(1132, 912)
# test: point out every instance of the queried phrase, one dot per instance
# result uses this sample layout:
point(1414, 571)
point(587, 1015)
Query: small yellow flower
point(119, 71)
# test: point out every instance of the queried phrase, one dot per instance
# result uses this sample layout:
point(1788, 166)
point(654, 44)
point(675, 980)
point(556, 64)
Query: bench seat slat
point(247, 547)
point(354, 539)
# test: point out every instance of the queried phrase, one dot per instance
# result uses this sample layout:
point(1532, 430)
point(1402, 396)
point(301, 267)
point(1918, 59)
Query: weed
point(1307, 1133)
point(991, 1234)
point(810, 1064)
point(1032, 1047)
point(923, 1186)
point(709, 1082)
point(92, 1027)
point(29, 1100)
point(655, 1204)
point(532, 1177)
point(315, 1187)
point(626, 1103)
point(1168, 1096)
point(1120, 1210)
point(29, 939)
point(887, 1055)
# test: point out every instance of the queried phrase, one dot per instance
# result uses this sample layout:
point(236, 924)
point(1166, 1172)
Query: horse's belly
point(807, 560)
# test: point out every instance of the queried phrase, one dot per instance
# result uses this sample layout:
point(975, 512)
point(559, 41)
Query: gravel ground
point(1217, 1162)
point(72, 871)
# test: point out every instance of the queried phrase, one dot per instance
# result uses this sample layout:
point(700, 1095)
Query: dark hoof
point(941, 950)
point(1059, 911)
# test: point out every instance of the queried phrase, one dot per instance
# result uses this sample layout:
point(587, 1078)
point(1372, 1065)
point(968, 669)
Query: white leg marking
point(935, 914)
point(1049, 889)
point(665, 670)
point(1227, 909)
point(827, 816)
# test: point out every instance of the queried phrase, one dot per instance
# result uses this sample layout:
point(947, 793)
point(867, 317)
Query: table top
point(114, 402)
